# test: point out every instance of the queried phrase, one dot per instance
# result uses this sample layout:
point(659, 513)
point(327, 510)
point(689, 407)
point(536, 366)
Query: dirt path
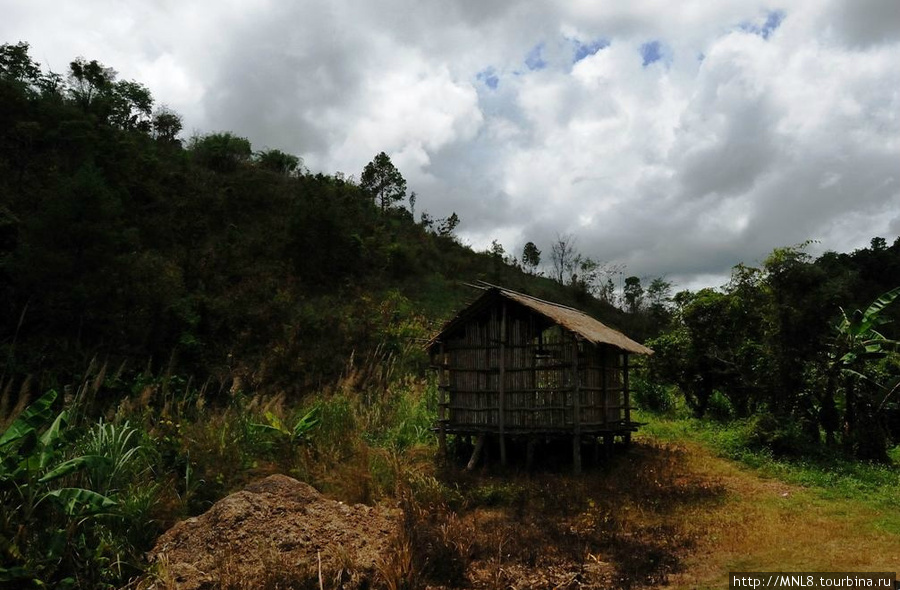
point(766, 525)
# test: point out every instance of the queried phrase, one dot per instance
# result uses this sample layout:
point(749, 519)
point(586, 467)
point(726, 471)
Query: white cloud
point(756, 129)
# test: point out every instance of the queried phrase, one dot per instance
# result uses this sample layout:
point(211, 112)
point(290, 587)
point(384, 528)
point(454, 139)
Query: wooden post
point(476, 453)
point(604, 386)
point(576, 410)
point(626, 397)
point(502, 388)
point(442, 428)
point(608, 444)
point(529, 452)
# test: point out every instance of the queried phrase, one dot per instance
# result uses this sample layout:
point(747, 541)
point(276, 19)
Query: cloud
point(679, 139)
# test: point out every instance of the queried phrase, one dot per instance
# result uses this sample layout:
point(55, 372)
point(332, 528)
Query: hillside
point(120, 242)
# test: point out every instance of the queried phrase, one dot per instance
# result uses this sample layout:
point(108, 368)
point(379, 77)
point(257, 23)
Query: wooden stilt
point(576, 409)
point(476, 453)
point(502, 385)
point(576, 454)
point(529, 452)
point(608, 445)
point(443, 382)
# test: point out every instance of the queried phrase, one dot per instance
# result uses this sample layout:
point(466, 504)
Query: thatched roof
point(573, 320)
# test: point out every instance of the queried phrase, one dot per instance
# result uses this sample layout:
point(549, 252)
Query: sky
point(674, 138)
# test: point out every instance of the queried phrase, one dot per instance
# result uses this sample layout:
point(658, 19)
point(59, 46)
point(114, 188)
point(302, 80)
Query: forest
point(179, 316)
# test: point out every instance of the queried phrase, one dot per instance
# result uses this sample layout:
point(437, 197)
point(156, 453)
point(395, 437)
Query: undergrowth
point(91, 478)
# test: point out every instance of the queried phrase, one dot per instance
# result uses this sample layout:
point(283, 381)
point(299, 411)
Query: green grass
point(827, 472)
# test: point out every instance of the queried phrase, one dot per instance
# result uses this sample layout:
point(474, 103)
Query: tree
point(588, 274)
point(17, 65)
point(497, 251)
point(382, 180)
point(562, 254)
point(634, 294)
point(660, 295)
point(222, 152)
point(531, 258)
point(607, 291)
point(166, 125)
point(446, 226)
point(278, 161)
point(89, 80)
point(427, 221)
point(130, 106)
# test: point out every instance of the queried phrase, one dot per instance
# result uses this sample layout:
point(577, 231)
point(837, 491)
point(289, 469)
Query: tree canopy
point(381, 179)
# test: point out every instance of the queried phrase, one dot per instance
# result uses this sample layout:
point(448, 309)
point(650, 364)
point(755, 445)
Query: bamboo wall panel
point(539, 377)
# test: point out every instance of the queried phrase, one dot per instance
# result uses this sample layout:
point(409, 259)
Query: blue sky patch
point(651, 52)
point(583, 50)
point(489, 77)
point(534, 60)
point(765, 30)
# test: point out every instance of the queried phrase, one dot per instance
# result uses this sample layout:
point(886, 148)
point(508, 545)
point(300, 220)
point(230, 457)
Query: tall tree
point(382, 180)
point(88, 80)
point(446, 226)
point(563, 256)
point(659, 292)
point(531, 258)
point(634, 294)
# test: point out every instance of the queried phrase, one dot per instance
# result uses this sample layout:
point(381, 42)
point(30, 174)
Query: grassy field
point(782, 514)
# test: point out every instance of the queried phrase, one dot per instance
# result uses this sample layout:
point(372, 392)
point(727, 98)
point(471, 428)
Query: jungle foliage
point(808, 347)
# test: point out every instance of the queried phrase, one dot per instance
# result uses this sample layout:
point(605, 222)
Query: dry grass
point(625, 526)
point(661, 514)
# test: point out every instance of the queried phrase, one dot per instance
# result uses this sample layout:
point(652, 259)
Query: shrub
point(652, 397)
point(719, 407)
point(780, 434)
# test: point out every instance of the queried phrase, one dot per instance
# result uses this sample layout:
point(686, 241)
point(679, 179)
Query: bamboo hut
point(514, 366)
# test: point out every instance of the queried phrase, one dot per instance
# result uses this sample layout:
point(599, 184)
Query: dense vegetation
point(118, 242)
point(807, 347)
point(180, 317)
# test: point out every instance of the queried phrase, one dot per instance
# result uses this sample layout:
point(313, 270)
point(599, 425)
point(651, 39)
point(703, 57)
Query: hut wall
point(538, 377)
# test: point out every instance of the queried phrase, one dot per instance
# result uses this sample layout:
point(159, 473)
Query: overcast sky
point(677, 138)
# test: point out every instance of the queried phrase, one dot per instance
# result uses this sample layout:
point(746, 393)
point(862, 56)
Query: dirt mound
point(277, 527)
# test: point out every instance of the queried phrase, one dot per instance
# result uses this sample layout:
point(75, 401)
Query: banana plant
point(857, 341)
point(29, 460)
point(32, 469)
point(857, 336)
point(299, 432)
